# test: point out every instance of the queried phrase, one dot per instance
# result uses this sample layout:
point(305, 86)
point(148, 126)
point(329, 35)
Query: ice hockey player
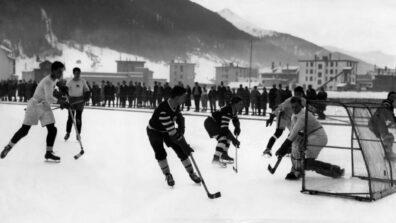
point(382, 119)
point(217, 127)
point(316, 140)
point(161, 129)
point(78, 92)
point(38, 108)
point(283, 115)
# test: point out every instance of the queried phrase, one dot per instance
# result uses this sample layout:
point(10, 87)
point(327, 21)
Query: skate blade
point(220, 164)
point(52, 161)
point(227, 162)
point(267, 155)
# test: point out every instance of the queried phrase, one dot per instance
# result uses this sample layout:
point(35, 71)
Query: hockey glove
point(284, 149)
point(181, 141)
point(63, 103)
point(270, 120)
point(236, 142)
point(237, 131)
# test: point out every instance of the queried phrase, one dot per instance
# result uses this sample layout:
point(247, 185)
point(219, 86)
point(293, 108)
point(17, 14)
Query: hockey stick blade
point(270, 169)
point(273, 169)
point(79, 154)
point(215, 195)
point(235, 169)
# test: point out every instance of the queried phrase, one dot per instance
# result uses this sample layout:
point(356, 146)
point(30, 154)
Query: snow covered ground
point(118, 180)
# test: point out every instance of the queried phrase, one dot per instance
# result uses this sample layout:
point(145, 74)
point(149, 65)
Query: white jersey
point(45, 91)
point(298, 124)
point(77, 87)
point(286, 108)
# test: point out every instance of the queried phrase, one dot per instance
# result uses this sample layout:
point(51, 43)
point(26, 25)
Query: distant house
point(384, 83)
point(364, 82)
point(183, 72)
point(126, 71)
point(233, 73)
point(38, 74)
point(286, 75)
point(7, 63)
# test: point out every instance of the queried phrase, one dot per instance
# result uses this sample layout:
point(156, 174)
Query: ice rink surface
point(118, 179)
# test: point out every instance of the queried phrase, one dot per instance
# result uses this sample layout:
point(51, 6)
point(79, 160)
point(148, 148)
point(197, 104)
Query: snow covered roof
point(341, 84)
point(244, 84)
point(265, 70)
point(5, 48)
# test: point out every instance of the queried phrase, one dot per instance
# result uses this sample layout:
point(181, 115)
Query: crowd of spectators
point(138, 95)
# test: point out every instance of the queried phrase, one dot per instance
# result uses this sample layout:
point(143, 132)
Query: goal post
point(355, 145)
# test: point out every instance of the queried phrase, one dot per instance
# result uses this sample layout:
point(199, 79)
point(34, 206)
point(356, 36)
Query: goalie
point(381, 121)
point(317, 139)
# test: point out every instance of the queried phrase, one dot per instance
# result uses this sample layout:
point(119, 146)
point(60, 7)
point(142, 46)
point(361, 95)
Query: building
point(129, 66)
point(38, 74)
point(364, 82)
point(334, 73)
point(384, 83)
point(285, 74)
point(7, 63)
point(126, 71)
point(233, 73)
point(181, 72)
point(115, 78)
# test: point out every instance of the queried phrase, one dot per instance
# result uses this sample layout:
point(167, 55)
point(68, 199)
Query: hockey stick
point(77, 102)
point(211, 196)
point(273, 169)
point(235, 168)
point(78, 135)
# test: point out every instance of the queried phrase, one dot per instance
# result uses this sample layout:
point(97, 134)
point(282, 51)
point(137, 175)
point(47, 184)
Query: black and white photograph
point(187, 111)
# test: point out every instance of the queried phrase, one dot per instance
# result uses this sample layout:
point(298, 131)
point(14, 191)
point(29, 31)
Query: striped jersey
point(224, 115)
point(164, 117)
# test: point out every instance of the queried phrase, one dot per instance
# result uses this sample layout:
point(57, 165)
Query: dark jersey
point(164, 117)
point(224, 115)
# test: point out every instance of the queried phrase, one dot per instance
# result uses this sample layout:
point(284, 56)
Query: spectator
point(321, 107)
point(204, 99)
point(287, 93)
point(221, 94)
point(212, 98)
point(271, 97)
point(197, 91)
point(264, 101)
point(246, 100)
point(254, 99)
point(188, 97)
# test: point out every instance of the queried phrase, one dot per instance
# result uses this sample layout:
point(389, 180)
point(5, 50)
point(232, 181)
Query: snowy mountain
point(375, 57)
point(154, 30)
point(245, 25)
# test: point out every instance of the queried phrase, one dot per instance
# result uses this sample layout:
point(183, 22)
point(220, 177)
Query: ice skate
point(216, 160)
point(267, 153)
point(169, 180)
point(51, 157)
point(195, 178)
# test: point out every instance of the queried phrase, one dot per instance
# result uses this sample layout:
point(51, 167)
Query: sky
point(353, 25)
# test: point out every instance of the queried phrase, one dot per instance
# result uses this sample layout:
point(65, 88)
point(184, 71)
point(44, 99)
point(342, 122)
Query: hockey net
point(352, 145)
